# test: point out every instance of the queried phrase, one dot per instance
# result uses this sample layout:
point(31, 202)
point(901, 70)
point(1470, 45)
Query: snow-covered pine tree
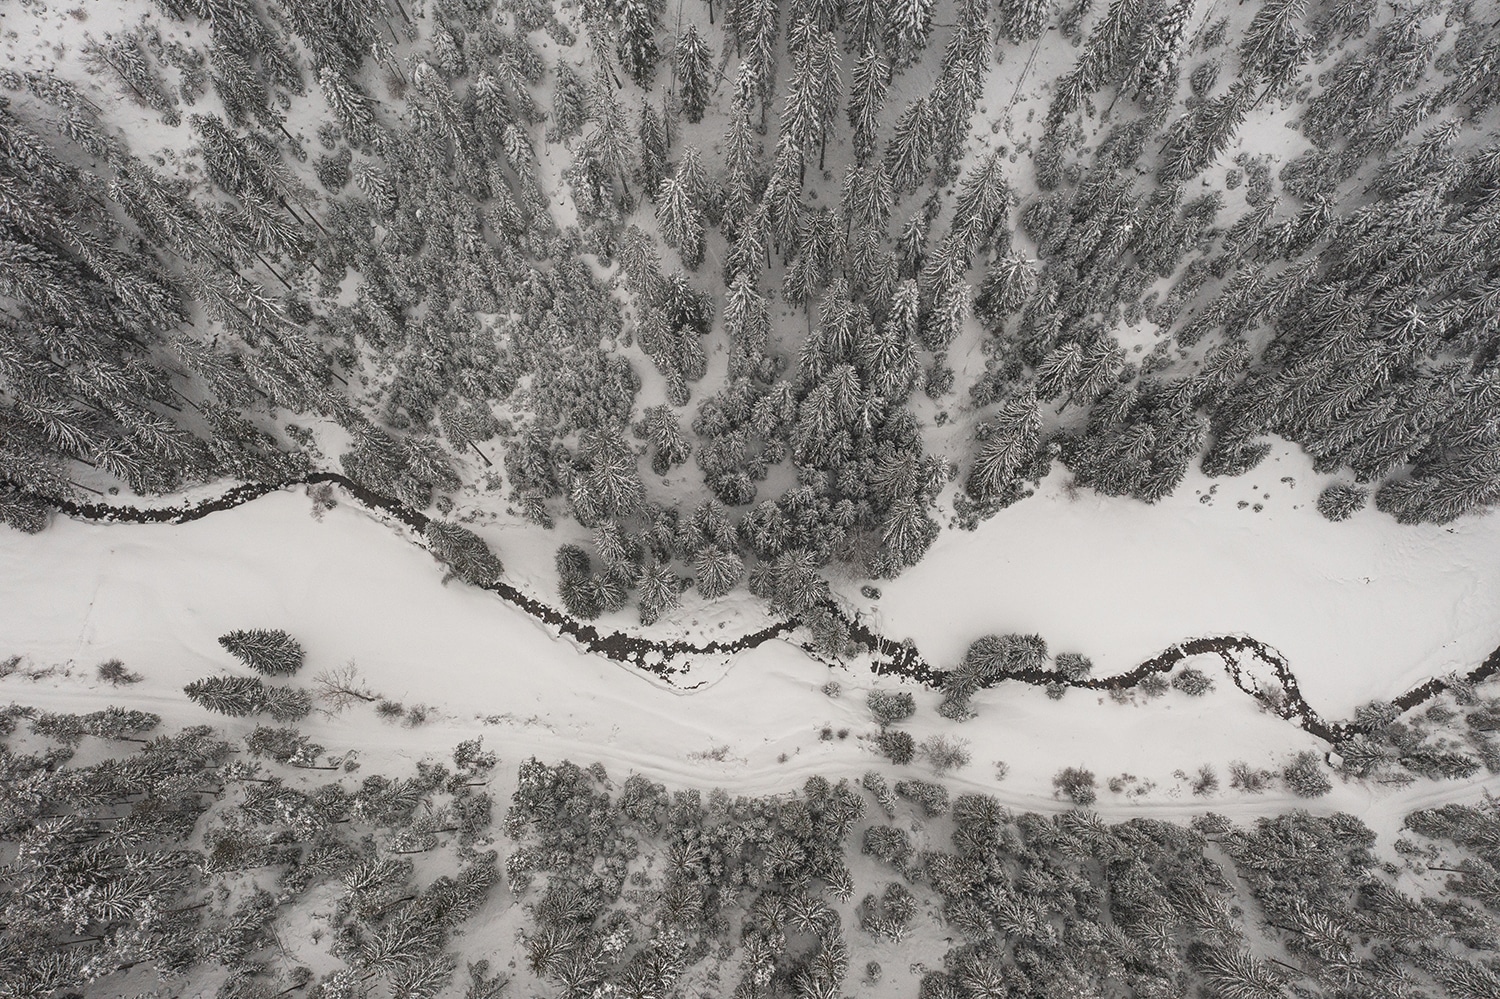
point(349, 105)
point(906, 533)
point(1197, 138)
point(799, 122)
point(889, 362)
point(640, 262)
point(658, 592)
point(1059, 371)
point(747, 319)
point(984, 200)
point(668, 446)
point(1021, 20)
point(269, 651)
point(609, 484)
point(907, 27)
point(758, 30)
point(907, 151)
point(570, 98)
point(465, 553)
point(823, 67)
point(864, 24)
point(695, 72)
point(229, 695)
point(966, 60)
point(1154, 75)
point(871, 80)
point(679, 213)
point(951, 299)
point(639, 20)
point(652, 134)
point(1005, 445)
point(1275, 47)
point(610, 140)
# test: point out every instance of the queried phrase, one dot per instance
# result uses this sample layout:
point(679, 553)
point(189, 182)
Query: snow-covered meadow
point(1361, 610)
point(354, 588)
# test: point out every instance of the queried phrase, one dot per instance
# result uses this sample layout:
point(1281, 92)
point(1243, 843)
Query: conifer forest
point(749, 499)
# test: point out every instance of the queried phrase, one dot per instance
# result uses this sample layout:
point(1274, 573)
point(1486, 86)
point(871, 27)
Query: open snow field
point(350, 588)
point(1361, 609)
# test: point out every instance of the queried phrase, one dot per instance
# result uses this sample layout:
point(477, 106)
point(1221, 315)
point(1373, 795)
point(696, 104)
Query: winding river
point(889, 657)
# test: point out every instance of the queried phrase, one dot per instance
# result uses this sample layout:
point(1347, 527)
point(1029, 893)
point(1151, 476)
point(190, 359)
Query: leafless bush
point(945, 754)
point(342, 686)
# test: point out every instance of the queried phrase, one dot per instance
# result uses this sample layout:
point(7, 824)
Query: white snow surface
point(351, 587)
point(1361, 609)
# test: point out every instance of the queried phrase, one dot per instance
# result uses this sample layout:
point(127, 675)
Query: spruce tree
point(1005, 445)
point(272, 652)
point(823, 68)
point(871, 80)
point(747, 319)
point(639, 21)
point(906, 153)
point(694, 70)
point(758, 31)
point(349, 106)
point(1196, 139)
point(658, 593)
point(1021, 20)
point(465, 553)
point(864, 24)
point(678, 212)
point(653, 146)
point(236, 696)
point(907, 27)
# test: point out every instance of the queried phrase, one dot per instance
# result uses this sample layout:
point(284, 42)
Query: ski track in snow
point(888, 657)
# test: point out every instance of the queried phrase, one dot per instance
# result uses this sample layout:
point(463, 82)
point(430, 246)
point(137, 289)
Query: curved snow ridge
point(1254, 667)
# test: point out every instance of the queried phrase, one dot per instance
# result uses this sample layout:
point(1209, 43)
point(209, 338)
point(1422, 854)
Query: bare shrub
point(945, 754)
point(342, 686)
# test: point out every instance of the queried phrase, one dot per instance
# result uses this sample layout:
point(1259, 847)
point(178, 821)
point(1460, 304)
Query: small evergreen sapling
point(897, 745)
point(1193, 682)
point(1077, 784)
point(932, 797)
point(1304, 778)
point(113, 672)
point(1340, 502)
point(887, 843)
point(272, 652)
point(1074, 667)
point(889, 915)
point(945, 754)
point(890, 706)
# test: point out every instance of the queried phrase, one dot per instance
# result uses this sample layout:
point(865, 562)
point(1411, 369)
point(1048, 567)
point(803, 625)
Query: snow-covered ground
point(351, 588)
point(1361, 609)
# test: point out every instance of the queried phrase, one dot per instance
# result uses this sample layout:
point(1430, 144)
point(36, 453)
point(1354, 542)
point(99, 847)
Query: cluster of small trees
point(137, 861)
point(766, 863)
point(269, 652)
point(990, 659)
point(1390, 748)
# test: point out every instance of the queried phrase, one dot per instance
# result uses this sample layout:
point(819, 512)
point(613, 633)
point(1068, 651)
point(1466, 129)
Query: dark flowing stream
point(667, 659)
